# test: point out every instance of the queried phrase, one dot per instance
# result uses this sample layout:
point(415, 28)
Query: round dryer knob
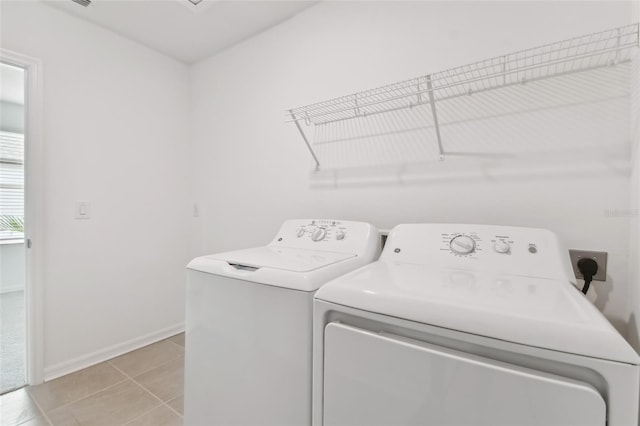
point(301, 232)
point(340, 235)
point(462, 244)
point(501, 246)
point(318, 234)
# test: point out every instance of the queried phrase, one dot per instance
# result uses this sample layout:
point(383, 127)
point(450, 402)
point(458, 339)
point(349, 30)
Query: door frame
point(33, 208)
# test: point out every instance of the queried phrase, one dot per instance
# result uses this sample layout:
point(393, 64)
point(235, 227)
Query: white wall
point(634, 205)
point(252, 168)
point(115, 135)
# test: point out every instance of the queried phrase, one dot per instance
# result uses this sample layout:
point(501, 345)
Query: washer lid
point(292, 268)
point(282, 258)
point(536, 312)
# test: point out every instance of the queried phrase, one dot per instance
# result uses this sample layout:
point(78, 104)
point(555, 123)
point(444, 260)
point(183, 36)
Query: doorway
point(20, 221)
point(12, 243)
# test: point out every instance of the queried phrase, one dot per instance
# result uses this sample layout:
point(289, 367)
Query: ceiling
point(183, 30)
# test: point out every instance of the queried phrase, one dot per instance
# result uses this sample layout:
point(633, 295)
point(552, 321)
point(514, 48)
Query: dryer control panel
point(328, 234)
point(529, 252)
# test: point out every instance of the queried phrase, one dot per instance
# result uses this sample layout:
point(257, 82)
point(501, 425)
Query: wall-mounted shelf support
point(304, 137)
point(434, 115)
point(579, 54)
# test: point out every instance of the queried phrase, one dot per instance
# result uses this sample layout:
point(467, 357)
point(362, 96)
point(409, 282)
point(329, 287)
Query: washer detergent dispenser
point(472, 325)
point(249, 322)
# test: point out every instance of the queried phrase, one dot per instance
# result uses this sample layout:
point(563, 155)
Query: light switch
point(83, 210)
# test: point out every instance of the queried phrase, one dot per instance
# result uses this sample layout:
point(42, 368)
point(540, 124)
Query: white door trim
point(34, 208)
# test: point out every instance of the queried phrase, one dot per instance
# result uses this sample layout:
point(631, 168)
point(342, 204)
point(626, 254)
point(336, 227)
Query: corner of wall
point(634, 200)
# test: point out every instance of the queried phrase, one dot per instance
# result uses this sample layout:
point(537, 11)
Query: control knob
point(462, 244)
point(318, 234)
point(340, 235)
point(301, 232)
point(501, 246)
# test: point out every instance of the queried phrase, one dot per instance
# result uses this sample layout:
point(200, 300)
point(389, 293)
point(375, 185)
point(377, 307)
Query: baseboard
point(79, 363)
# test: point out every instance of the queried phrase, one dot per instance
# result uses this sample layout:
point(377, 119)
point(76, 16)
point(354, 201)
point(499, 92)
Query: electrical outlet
point(83, 210)
point(599, 256)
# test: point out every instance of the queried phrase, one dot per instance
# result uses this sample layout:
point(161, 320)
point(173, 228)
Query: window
point(11, 185)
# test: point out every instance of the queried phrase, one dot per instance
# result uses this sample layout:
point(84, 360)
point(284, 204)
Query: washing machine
point(249, 322)
point(468, 325)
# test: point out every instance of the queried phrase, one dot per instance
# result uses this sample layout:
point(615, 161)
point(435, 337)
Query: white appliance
point(468, 325)
point(249, 322)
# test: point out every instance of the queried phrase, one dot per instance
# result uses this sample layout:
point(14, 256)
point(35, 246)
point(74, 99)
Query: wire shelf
point(577, 54)
point(588, 52)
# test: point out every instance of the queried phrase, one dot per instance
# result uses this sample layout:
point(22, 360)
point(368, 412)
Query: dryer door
point(381, 379)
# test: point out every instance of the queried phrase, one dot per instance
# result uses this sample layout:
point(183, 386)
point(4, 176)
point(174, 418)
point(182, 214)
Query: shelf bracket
point(306, 141)
point(503, 61)
point(432, 101)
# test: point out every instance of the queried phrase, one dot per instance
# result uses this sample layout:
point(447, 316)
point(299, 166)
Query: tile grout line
point(170, 339)
point(183, 354)
point(177, 344)
point(183, 347)
point(41, 413)
point(127, 377)
point(141, 415)
point(174, 410)
point(149, 392)
point(37, 404)
point(79, 399)
point(145, 371)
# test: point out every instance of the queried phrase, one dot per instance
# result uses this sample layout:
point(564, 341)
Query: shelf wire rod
point(356, 109)
point(343, 100)
point(306, 141)
point(399, 95)
point(484, 73)
point(515, 57)
point(439, 90)
point(464, 93)
point(349, 98)
point(618, 45)
point(335, 109)
point(397, 108)
point(323, 104)
point(519, 71)
point(633, 32)
point(435, 118)
point(558, 60)
point(589, 62)
point(338, 116)
point(564, 45)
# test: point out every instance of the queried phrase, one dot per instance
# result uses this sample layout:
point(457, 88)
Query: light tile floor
point(140, 388)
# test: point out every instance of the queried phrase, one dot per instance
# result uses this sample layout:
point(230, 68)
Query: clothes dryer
point(249, 322)
point(468, 325)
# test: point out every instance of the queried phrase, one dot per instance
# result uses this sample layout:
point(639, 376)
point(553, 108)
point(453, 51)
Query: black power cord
point(588, 268)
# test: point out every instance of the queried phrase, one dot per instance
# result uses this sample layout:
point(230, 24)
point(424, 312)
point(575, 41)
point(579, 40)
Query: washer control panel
point(522, 251)
point(327, 234)
point(322, 230)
